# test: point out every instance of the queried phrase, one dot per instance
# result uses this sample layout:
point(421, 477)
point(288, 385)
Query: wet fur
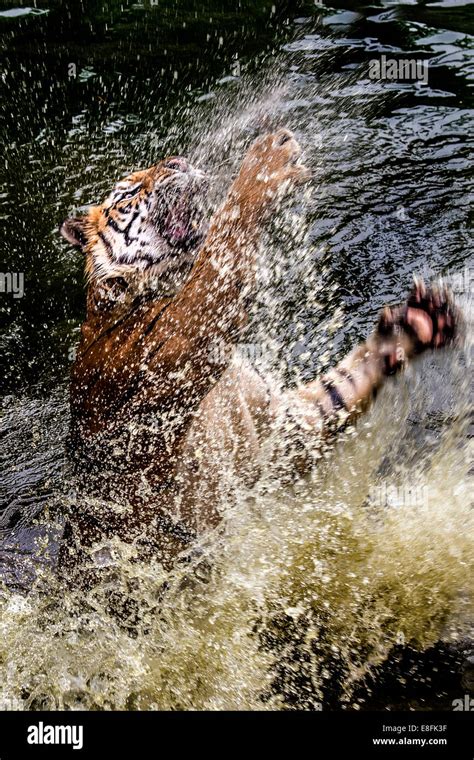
point(156, 421)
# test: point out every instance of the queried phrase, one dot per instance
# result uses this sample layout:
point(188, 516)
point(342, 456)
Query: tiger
point(157, 414)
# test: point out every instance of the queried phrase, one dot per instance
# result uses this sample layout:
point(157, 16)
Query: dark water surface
point(92, 90)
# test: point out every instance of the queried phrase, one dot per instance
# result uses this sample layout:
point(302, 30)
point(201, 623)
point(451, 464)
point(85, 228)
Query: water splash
point(304, 589)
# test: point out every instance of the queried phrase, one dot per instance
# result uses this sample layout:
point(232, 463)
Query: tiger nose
point(178, 163)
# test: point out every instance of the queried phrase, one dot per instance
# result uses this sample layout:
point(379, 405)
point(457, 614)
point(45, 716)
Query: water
point(304, 591)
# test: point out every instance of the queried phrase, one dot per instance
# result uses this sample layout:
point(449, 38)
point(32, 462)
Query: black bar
point(193, 734)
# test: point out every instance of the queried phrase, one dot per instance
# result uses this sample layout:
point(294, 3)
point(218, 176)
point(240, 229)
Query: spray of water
point(304, 588)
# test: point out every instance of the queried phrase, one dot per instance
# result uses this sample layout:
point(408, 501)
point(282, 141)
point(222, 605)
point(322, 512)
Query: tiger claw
point(386, 320)
point(419, 288)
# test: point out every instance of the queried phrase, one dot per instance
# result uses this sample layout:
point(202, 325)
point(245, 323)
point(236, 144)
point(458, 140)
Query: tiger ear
point(73, 230)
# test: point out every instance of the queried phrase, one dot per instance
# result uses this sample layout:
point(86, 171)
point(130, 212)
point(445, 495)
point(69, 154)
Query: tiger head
point(148, 229)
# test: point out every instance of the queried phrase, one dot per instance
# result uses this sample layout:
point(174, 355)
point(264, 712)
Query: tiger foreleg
point(427, 320)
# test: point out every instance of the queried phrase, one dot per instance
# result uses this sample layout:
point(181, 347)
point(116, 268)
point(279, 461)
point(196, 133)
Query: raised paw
point(272, 162)
point(430, 316)
point(428, 319)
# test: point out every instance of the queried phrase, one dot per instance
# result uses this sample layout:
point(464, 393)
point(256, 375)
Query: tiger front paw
point(270, 166)
point(428, 320)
